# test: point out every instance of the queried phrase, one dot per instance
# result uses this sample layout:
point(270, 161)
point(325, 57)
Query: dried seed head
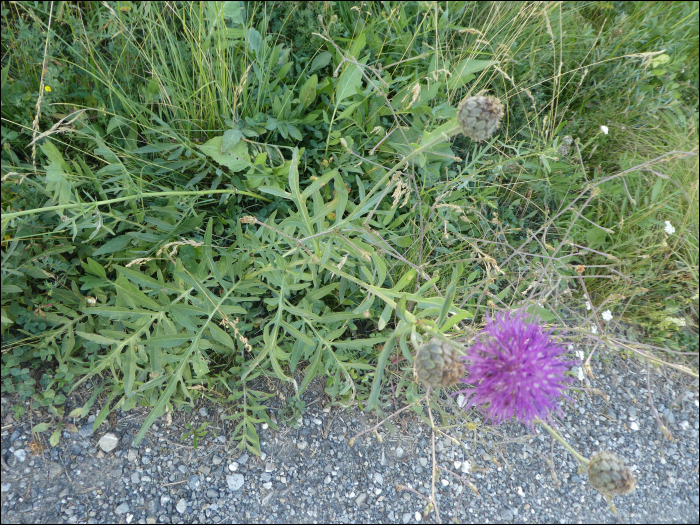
point(609, 474)
point(480, 116)
point(438, 364)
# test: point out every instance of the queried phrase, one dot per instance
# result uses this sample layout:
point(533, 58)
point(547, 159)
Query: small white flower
point(581, 377)
point(594, 329)
point(607, 315)
point(588, 305)
point(604, 129)
point(669, 228)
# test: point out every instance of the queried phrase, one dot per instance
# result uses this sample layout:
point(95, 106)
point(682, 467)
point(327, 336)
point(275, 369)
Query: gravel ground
point(312, 475)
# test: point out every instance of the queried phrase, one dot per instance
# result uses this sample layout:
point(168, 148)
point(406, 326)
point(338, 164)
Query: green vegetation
point(199, 196)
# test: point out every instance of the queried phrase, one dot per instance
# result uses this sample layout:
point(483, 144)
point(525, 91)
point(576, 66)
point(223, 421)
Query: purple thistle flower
point(516, 368)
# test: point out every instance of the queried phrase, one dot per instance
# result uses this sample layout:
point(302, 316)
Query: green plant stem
point(7, 216)
point(556, 435)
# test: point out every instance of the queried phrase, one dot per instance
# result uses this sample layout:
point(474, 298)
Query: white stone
point(423, 462)
point(233, 467)
point(181, 506)
point(109, 442)
point(634, 425)
point(235, 481)
point(458, 464)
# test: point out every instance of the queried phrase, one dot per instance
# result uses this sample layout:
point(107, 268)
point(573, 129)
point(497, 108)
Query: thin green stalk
point(8, 216)
point(556, 435)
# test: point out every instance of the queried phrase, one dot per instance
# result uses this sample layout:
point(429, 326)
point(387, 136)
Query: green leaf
point(307, 93)
point(41, 427)
point(386, 316)
point(321, 60)
point(230, 139)
point(236, 159)
point(94, 268)
point(55, 437)
point(381, 363)
point(167, 341)
point(349, 81)
point(464, 72)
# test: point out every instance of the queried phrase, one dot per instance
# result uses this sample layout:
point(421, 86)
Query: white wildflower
point(607, 315)
point(588, 305)
point(604, 129)
point(678, 321)
point(594, 329)
point(669, 228)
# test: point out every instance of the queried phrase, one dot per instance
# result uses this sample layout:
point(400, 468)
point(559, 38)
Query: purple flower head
point(516, 368)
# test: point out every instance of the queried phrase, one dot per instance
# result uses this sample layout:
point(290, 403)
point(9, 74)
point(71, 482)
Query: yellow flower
point(47, 89)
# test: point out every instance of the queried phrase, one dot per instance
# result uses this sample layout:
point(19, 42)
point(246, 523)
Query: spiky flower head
point(609, 475)
point(480, 116)
point(438, 364)
point(517, 370)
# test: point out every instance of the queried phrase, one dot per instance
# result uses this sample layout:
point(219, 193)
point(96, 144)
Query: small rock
point(6, 487)
point(55, 470)
point(86, 431)
point(407, 517)
point(235, 481)
point(194, 482)
point(399, 452)
point(267, 485)
point(203, 412)
point(132, 455)
point(135, 478)
point(122, 509)
point(181, 506)
point(267, 498)
point(269, 466)
point(301, 445)
point(21, 455)
point(417, 516)
point(506, 515)
point(458, 464)
point(265, 477)
point(216, 460)
point(423, 462)
point(378, 478)
point(243, 459)
point(634, 425)
point(233, 467)
point(360, 499)
point(382, 461)
point(109, 442)
point(317, 421)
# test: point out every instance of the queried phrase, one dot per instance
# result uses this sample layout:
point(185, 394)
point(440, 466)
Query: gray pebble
point(181, 506)
point(21, 455)
point(122, 509)
point(235, 481)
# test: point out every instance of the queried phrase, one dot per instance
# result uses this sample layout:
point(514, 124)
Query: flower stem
point(556, 435)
